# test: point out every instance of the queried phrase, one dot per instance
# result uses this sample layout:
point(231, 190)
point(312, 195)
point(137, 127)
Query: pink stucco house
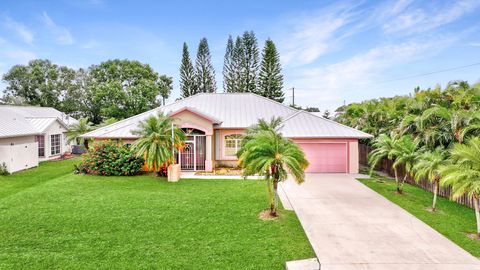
point(214, 124)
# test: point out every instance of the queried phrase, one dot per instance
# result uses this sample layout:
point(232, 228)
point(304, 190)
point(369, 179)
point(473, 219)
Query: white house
point(31, 134)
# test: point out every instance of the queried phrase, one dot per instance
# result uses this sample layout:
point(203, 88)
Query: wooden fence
point(385, 166)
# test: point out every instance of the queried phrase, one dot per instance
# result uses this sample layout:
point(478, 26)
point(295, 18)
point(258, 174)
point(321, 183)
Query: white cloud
point(21, 30)
point(415, 20)
point(318, 33)
point(474, 44)
point(62, 34)
point(354, 77)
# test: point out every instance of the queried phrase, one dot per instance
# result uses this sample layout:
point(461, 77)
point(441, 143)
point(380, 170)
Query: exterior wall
point(221, 160)
point(352, 150)
point(19, 153)
point(55, 128)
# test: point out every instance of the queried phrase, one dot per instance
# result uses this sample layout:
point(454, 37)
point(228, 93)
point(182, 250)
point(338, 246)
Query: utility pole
point(293, 96)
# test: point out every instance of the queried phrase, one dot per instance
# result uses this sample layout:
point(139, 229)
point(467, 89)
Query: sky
point(331, 52)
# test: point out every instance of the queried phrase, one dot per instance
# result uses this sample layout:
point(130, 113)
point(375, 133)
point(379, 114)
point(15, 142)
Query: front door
point(187, 156)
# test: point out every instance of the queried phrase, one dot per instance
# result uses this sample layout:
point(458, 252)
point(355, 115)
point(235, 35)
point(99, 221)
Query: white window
point(41, 145)
point(232, 144)
point(55, 144)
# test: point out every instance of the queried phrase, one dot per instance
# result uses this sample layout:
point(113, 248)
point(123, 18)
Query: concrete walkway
point(352, 227)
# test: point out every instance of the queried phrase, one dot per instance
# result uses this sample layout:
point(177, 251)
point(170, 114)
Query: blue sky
point(331, 51)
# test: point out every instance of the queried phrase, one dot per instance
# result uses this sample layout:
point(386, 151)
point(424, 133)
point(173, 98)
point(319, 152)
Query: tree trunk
point(396, 180)
point(270, 195)
point(435, 193)
point(275, 197)
point(477, 213)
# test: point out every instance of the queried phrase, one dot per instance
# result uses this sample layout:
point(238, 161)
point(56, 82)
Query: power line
point(433, 72)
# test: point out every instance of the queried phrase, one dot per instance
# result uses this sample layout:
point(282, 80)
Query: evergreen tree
point(205, 74)
point(270, 81)
point(250, 61)
point(229, 82)
point(187, 74)
point(238, 57)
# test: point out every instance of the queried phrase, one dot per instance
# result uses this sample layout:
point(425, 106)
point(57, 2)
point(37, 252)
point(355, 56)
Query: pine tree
point(250, 61)
point(270, 81)
point(229, 82)
point(187, 74)
point(205, 74)
point(238, 57)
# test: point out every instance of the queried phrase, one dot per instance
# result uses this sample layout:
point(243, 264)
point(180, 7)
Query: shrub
point(3, 169)
point(110, 158)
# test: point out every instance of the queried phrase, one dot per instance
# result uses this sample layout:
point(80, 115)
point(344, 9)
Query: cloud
point(21, 30)
point(62, 34)
point(474, 44)
point(354, 77)
point(318, 33)
point(415, 20)
point(91, 44)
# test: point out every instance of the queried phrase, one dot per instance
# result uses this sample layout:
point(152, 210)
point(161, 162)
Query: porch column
point(208, 153)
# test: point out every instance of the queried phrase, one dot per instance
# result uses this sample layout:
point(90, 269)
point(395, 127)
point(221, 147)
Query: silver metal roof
point(231, 110)
point(28, 120)
point(307, 125)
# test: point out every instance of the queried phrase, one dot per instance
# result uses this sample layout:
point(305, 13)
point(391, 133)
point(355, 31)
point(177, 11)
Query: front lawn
point(453, 220)
point(51, 218)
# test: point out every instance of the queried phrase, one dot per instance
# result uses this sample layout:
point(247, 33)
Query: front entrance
point(192, 156)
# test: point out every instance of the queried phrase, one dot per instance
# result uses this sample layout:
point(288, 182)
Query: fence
point(385, 166)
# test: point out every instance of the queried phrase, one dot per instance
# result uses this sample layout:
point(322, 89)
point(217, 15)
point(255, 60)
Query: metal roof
point(307, 125)
point(236, 110)
point(28, 120)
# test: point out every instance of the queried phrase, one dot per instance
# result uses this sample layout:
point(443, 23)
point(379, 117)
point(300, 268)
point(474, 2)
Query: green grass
point(51, 218)
point(453, 220)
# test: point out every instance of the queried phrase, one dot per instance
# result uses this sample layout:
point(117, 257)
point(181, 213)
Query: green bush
point(110, 158)
point(3, 169)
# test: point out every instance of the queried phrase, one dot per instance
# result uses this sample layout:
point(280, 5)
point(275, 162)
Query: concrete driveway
point(352, 227)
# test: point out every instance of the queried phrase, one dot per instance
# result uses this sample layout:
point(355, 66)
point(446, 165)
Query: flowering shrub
point(110, 158)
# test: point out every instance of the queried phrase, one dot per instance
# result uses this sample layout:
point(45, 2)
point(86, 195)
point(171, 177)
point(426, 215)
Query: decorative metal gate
point(192, 156)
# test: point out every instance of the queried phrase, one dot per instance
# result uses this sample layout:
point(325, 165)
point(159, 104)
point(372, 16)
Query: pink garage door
point(326, 157)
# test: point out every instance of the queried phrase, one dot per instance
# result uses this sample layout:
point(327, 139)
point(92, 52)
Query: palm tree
point(274, 124)
point(83, 126)
point(428, 167)
point(271, 155)
point(155, 144)
point(384, 147)
point(405, 152)
point(463, 175)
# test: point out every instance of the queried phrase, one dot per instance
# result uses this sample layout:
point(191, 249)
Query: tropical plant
point(159, 136)
point(271, 155)
point(428, 167)
point(110, 158)
point(463, 175)
point(384, 147)
point(76, 130)
point(405, 153)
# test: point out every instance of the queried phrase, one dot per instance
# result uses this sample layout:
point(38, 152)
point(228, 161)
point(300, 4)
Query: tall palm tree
point(405, 153)
point(271, 155)
point(155, 143)
point(428, 167)
point(384, 146)
point(463, 175)
point(83, 126)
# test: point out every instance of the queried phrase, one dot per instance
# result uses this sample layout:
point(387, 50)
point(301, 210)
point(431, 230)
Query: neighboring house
point(215, 122)
point(31, 134)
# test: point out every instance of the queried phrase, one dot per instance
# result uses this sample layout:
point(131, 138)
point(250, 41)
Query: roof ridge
point(337, 123)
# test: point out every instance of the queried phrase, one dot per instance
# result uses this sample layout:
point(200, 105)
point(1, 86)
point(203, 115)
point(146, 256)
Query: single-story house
point(31, 134)
point(215, 122)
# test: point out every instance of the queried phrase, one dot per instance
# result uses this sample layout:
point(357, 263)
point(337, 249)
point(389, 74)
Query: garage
point(326, 157)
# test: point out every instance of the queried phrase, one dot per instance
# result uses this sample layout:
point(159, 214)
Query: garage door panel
point(326, 157)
